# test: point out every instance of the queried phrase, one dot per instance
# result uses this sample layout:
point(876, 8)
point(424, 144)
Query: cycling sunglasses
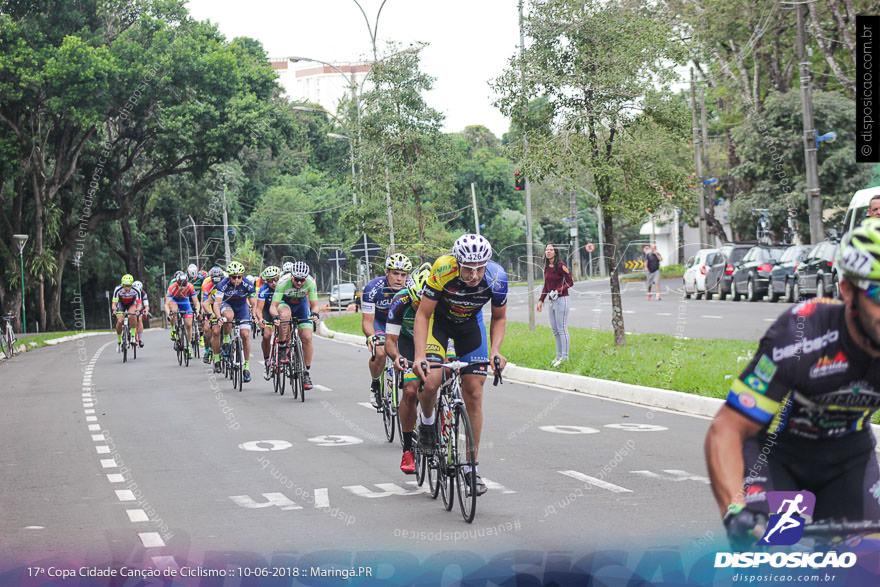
point(299, 279)
point(870, 289)
point(236, 276)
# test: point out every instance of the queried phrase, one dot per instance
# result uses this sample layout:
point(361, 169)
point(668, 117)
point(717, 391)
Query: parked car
point(816, 275)
point(720, 272)
point(341, 295)
point(751, 277)
point(694, 278)
point(782, 276)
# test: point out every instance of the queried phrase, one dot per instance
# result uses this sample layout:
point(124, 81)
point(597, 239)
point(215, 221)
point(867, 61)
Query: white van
point(858, 207)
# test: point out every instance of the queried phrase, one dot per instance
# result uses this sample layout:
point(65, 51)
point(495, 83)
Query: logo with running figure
point(786, 525)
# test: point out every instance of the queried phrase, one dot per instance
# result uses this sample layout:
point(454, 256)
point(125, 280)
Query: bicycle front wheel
point(464, 457)
point(239, 364)
point(301, 368)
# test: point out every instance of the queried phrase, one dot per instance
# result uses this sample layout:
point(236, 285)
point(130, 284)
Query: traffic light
point(519, 180)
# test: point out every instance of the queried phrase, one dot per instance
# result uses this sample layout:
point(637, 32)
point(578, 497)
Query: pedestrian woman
point(557, 280)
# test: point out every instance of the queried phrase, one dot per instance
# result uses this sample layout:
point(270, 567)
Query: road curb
point(24, 347)
point(638, 394)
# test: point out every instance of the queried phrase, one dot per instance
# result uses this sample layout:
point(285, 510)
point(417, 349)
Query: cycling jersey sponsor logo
point(805, 308)
point(756, 384)
point(765, 369)
point(786, 526)
point(857, 395)
point(746, 400)
point(827, 366)
point(807, 345)
point(755, 493)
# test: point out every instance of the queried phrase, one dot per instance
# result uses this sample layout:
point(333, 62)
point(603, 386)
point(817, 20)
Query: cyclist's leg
point(267, 333)
point(435, 352)
point(304, 328)
point(377, 365)
point(284, 313)
point(242, 311)
point(409, 396)
point(472, 345)
point(186, 308)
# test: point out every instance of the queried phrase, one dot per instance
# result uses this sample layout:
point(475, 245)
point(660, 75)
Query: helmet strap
point(856, 316)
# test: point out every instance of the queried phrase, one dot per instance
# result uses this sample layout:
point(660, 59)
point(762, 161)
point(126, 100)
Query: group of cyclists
point(797, 418)
point(217, 298)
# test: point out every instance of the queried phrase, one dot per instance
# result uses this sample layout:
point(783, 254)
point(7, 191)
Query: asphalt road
point(673, 315)
point(148, 464)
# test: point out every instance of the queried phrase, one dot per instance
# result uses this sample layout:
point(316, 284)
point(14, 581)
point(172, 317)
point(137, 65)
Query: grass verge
point(40, 339)
point(701, 367)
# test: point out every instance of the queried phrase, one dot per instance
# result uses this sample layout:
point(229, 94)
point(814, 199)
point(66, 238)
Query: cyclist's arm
point(215, 305)
point(391, 346)
point(312, 292)
point(723, 449)
point(420, 329)
point(273, 309)
point(367, 324)
point(497, 328)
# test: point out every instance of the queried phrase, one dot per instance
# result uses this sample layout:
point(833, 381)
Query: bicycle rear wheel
point(134, 348)
point(3, 347)
point(125, 344)
point(301, 368)
point(463, 456)
point(387, 411)
point(239, 364)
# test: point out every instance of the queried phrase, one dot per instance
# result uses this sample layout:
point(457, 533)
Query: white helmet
point(472, 248)
point(249, 277)
point(138, 285)
point(192, 270)
point(300, 270)
point(287, 267)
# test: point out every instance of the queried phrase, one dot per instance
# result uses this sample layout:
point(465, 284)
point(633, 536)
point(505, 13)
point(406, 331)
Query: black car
point(816, 275)
point(752, 276)
point(782, 276)
point(720, 273)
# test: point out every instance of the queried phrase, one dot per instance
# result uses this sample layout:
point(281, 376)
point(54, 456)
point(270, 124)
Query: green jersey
point(289, 294)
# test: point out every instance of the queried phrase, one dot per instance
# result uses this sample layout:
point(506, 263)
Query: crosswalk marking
point(673, 475)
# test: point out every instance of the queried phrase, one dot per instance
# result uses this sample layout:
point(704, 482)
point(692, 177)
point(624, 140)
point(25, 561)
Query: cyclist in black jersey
point(798, 417)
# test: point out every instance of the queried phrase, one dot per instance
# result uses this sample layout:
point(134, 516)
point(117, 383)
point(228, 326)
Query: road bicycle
point(295, 367)
point(180, 341)
point(8, 340)
point(234, 357)
point(127, 337)
point(389, 389)
point(197, 336)
point(451, 467)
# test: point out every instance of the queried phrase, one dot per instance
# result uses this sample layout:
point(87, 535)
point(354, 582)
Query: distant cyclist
point(143, 317)
point(451, 308)
point(126, 299)
point(265, 291)
point(209, 319)
point(296, 298)
point(399, 347)
point(798, 417)
point(232, 299)
point(181, 296)
point(376, 301)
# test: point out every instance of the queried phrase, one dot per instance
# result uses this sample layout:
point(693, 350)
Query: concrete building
point(318, 83)
point(668, 242)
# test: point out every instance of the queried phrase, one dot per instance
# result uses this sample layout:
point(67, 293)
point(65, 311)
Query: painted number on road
point(265, 445)
point(633, 427)
point(334, 440)
point(565, 429)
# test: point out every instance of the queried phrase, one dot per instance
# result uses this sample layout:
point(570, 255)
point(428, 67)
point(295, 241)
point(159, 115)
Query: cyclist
point(197, 279)
point(125, 297)
point(375, 303)
point(296, 296)
point(143, 317)
point(269, 279)
point(209, 319)
point(181, 295)
point(399, 347)
point(451, 307)
point(798, 416)
point(286, 268)
point(232, 300)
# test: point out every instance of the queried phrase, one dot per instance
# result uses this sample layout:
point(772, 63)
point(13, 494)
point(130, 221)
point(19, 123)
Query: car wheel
point(750, 291)
point(796, 291)
point(820, 288)
point(733, 294)
point(789, 291)
point(697, 293)
point(774, 297)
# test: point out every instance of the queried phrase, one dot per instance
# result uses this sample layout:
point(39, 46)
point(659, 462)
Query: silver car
point(342, 294)
point(694, 277)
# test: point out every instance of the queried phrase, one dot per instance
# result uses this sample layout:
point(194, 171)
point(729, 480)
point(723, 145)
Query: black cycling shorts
point(843, 474)
point(469, 337)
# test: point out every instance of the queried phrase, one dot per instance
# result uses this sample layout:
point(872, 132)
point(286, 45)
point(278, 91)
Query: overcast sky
point(469, 41)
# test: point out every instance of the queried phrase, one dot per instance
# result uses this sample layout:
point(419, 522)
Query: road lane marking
point(98, 437)
point(115, 478)
point(387, 489)
point(265, 445)
point(94, 427)
point(125, 495)
point(88, 411)
point(322, 388)
point(322, 497)
point(137, 516)
point(567, 429)
point(109, 463)
point(91, 418)
point(166, 562)
point(596, 482)
point(272, 500)
point(769, 319)
point(102, 450)
point(366, 405)
point(634, 427)
point(711, 316)
point(151, 539)
point(673, 475)
point(664, 313)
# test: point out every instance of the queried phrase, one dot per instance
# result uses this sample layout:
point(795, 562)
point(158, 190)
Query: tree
point(594, 62)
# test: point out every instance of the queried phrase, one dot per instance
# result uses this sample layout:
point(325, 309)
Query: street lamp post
point(20, 240)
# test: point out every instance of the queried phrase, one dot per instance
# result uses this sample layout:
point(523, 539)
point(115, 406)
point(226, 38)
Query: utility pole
point(708, 188)
point(576, 247)
point(476, 216)
point(814, 199)
point(530, 278)
point(226, 228)
point(196, 238)
point(698, 162)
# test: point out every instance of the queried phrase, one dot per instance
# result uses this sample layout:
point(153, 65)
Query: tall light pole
point(814, 198)
point(20, 240)
point(530, 278)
